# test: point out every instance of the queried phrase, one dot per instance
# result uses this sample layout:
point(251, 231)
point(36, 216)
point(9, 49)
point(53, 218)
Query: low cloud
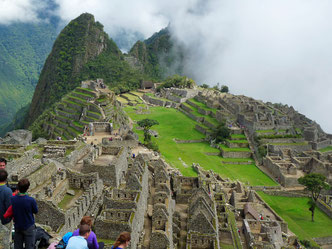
point(12, 11)
point(278, 51)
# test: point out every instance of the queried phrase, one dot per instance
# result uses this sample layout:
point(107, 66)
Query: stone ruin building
point(143, 195)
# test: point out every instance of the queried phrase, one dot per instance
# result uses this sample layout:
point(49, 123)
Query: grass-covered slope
point(173, 124)
point(295, 211)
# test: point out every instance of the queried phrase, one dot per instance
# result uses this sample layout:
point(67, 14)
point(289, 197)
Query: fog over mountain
point(277, 51)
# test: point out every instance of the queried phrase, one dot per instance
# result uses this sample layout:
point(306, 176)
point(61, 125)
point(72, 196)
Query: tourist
point(5, 195)
point(92, 239)
point(122, 241)
point(3, 163)
point(24, 207)
point(80, 242)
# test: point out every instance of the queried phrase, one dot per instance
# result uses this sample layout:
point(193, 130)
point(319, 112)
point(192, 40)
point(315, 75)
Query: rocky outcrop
point(21, 137)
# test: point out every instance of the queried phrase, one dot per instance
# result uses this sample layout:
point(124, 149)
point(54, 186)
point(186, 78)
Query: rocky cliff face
point(81, 40)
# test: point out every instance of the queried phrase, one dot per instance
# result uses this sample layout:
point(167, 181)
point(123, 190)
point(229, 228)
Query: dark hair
point(23, 185)
point(84, 229)
point(3, 175)
point(3, 160)
point(122, 239)
point(86, 220)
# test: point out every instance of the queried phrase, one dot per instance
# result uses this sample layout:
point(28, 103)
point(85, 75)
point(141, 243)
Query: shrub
point(152, 145)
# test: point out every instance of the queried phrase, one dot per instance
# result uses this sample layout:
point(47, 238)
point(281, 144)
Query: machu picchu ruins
point(95, 164)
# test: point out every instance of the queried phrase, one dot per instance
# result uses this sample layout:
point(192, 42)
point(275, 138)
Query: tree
point(221, 133)
point(224, 89)
point(146, 124)
point(314, 183)
point(205, 86)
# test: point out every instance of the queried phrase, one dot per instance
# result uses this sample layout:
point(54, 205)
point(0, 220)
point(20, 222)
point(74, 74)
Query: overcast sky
point(278, 51)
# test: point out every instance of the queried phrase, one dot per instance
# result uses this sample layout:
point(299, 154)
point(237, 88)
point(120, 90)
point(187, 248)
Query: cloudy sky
point(279, 51)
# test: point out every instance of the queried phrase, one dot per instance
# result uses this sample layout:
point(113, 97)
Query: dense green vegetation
point(178, 82)
point(23, 50)
point(116, 72)
point(295, 211)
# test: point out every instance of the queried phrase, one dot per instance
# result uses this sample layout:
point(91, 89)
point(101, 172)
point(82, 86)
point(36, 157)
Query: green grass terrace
point(174, 124)
point(295, 211)
point(326, 149)
point(202, 105)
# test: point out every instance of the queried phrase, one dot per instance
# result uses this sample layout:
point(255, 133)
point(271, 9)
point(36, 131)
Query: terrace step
point(86, 91)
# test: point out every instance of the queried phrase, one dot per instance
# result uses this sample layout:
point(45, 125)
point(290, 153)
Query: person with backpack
point(122, 241)
point(5, 195)
point(80, 242)
point(92, 239)
point(24, 207)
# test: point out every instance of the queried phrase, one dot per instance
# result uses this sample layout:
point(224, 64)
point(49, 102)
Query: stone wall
point(323, 240)
point(186, 108)
point(102, 126)
point(208, 124)
point(201, 129)
point(72, 159)
point(321, 145)
point(153, 101)
point(235, 154)
point(49, 214)
point(112, 173)
point(41, 175)
point(117, 143)
point(325, 208)
point(178, 141)
point(192, 116)
point(276, 148)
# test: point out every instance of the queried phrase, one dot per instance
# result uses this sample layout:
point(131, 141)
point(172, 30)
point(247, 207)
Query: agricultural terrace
point(173, 124)
point(295, 211)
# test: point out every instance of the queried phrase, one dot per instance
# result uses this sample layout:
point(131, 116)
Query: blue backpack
point(64, 241)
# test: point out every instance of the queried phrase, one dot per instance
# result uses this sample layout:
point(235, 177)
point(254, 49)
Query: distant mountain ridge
point(23, 49)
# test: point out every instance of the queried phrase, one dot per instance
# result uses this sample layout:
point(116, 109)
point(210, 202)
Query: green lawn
point(235, 136)
point(295, 212)
point(291, 144)
point(242, 141)
point(328, 148)
point(174, 124)
point(225, 148)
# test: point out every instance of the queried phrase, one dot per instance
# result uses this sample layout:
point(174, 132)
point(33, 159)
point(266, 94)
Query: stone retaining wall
point(192, 116)
point(208, 124)
point(235, 154)
point(201, 129)
point(153, 100)
point(186, 108)
point(325, 208)
point(237, 145)
point(178, 141)
point(276, 148)
point(323, 240)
